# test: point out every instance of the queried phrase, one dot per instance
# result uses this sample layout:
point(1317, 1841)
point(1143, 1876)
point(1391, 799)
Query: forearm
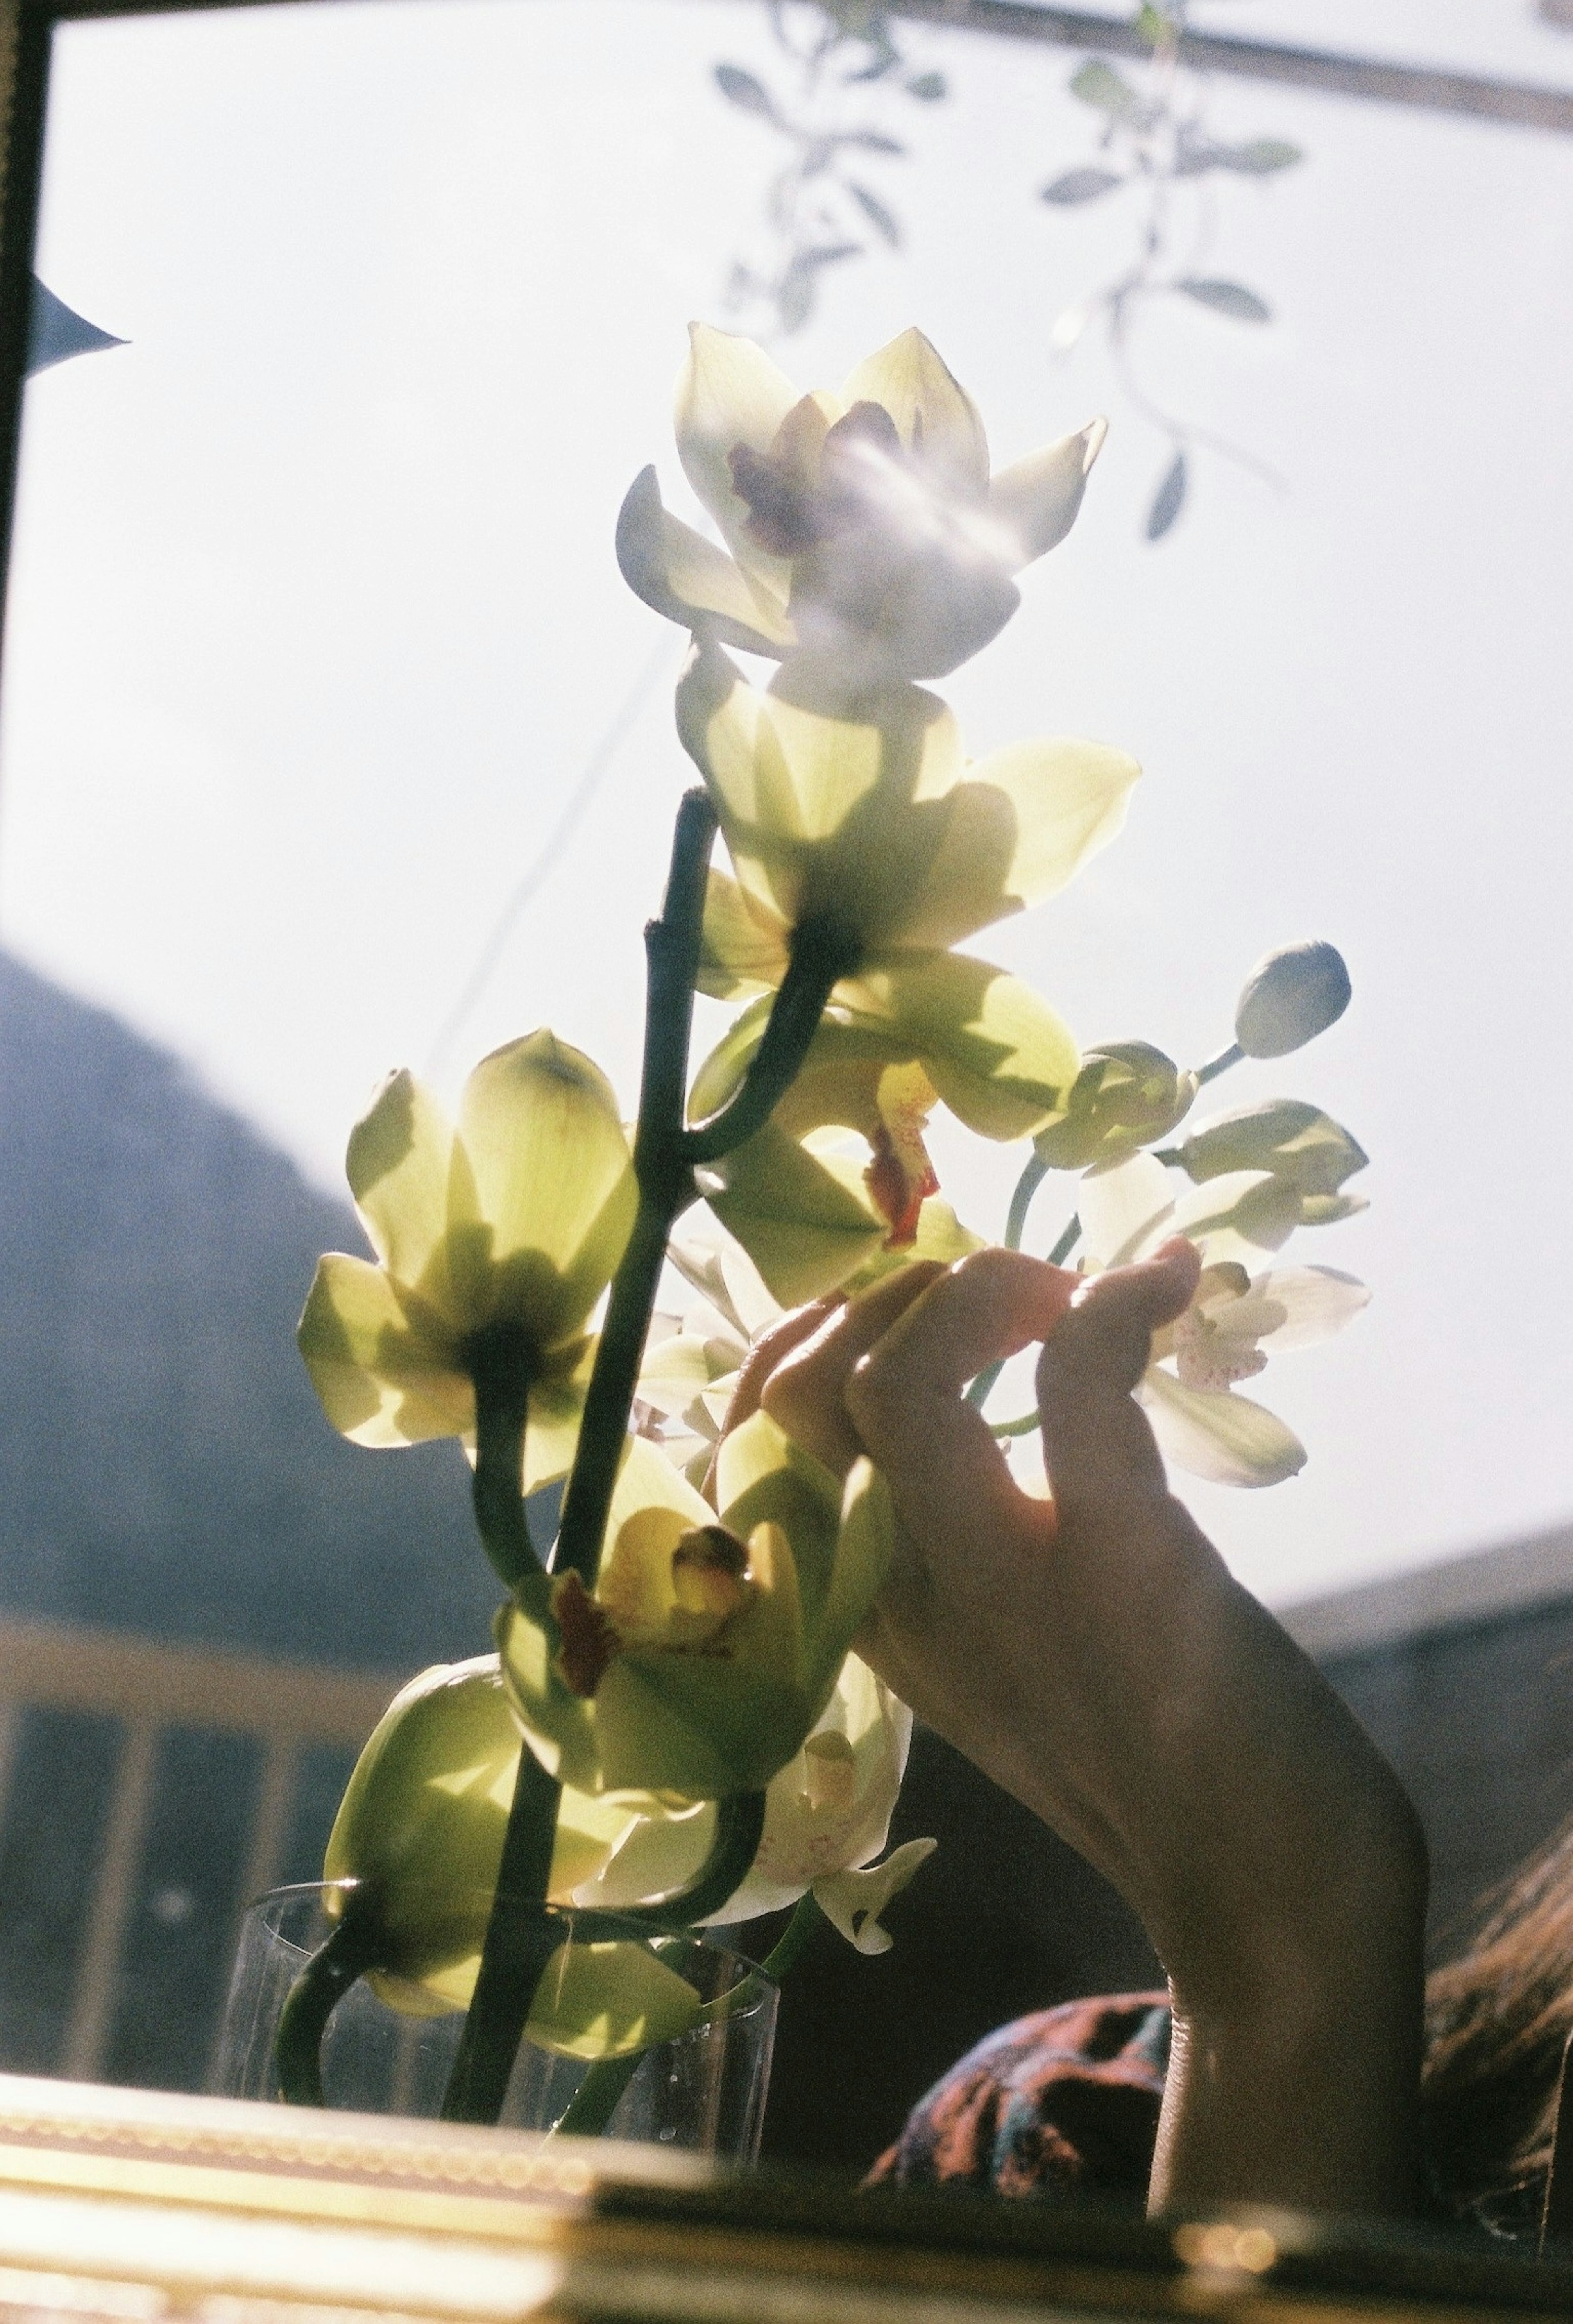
point(1296, 2078)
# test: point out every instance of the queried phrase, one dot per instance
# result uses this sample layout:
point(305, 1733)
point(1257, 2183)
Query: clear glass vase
point(704, 2091)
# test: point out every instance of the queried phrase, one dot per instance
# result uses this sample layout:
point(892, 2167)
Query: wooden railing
point(150, 1690)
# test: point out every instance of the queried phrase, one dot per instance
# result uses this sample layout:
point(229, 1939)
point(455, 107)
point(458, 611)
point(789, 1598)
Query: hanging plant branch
point(1155, 146)
point(820, 209)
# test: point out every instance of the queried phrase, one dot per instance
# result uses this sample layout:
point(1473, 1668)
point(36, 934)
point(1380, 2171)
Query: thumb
point(1098, 1447)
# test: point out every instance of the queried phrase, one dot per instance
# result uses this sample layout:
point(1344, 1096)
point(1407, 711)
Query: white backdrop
point(314, 624)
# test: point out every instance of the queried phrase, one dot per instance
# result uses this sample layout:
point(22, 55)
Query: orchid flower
point(713, 1638)
point(1237, 1317)
point(870, 544)
point(420, 1835)
point(827, 1814)
point(512, 1221)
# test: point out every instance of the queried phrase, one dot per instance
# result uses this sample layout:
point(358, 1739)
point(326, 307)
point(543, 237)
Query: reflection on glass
point(332, 741)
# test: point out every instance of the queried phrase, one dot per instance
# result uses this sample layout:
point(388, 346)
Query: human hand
point(1094, 1655)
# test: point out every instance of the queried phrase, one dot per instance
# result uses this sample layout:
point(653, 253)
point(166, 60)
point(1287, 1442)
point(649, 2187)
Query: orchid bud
point(1126, 1095)
point(1291, 997)
point(1293, 1140)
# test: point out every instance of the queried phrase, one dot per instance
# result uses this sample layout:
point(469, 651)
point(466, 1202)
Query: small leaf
point(1259, 157)
point(827, 254)
point(884, 221)
point(1107, 91)
point(1169, 499)
point(1080, 186)
point(871, 140)
point(928, 88)
point(746, 90)
point(1230, 299)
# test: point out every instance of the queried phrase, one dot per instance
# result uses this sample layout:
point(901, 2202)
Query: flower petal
point(1216, 1434)
point(682, 576)
point(1037, 499)
point(401, 1167)
point(935, 418)
point(998, 1055)
point(743, 949)
point(1315, 1301)
point(853, 1900)
point(804, 1229)
point(1237, 1216)
point(730, 392)
point(382, 1379)
point(608, 2000)
point(1124, 1210)
point(1069, 799)
point(555, 1181)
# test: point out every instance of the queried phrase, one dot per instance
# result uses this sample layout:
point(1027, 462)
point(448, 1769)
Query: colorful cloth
point(1063, 2103)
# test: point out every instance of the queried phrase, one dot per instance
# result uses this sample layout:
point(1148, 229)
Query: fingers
point(769, 1350)
point(804, 1389)
point(1097, 1445)
point(942, 1461)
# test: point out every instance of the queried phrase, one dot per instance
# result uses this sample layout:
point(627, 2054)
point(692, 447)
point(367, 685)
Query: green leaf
point(1259, 157)
point(1168, 500)
point(1080, 185)
point(747, 91)
point(1231, 299)
point(885, 221)
point(1100, 85)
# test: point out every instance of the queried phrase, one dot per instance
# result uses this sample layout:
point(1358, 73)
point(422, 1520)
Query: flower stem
point(500, 1362)
point(1233, 1056)
point(1033, 1172)
point(821, 954)
point(316, 1993)
point(520, 1941)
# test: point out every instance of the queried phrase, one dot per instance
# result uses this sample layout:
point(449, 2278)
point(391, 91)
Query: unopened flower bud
point(1291, 997)
point(1293, 1140)
point(1126, 1095)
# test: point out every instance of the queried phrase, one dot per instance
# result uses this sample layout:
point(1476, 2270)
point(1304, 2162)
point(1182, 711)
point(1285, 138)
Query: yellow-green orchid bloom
point(827, 1814)
point(514, 1220)
point(814, 1219)
point(870, 544)
point(714, 1636)
point(421, 1824)
point(1289, 1139)
point(1126, 1095)
point(1236, 1318)
point(878, 828)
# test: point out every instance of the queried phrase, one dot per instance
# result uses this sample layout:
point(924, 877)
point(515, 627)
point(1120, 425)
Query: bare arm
point(1097, 1659)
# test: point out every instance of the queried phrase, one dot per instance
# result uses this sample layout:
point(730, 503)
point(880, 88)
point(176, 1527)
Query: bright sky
point(314, 624)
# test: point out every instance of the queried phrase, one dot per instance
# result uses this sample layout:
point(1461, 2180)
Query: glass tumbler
point(704, 2091)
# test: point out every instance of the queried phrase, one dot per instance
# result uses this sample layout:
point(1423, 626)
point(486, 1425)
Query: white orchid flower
point(827, 1814)
point(870, 544)
point(1236, 1318)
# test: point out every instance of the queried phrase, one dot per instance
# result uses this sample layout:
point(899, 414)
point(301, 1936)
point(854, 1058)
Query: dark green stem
point(321, 1985)
point(1069, 1237)
point(1025, 1426)
point(666, 1184)
point(500, 1361)
point(1224, 1058)
point(520, 1941)
point(740, 1819)
point(784, 1954)
point(821, 954)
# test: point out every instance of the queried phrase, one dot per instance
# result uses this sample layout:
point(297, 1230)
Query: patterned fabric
point(1062, 2103)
